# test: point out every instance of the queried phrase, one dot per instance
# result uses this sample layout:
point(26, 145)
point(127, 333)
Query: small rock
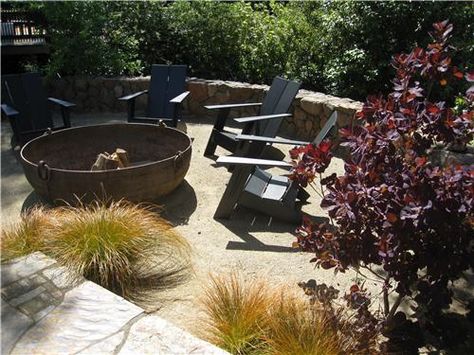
point(118, 90)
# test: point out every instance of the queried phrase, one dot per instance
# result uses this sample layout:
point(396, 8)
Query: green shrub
point(357, 39)
point(92, 38)
point(337, 47)
point(120, 246)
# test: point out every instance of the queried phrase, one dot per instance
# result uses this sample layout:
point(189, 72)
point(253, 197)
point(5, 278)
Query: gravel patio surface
point(248, 243)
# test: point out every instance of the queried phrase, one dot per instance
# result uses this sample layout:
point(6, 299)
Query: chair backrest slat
point(167, 81)
point(39, 113)
point(280, 96)
point(14, 96)
point(176, 86)
point(26, 94)
point(328, 126)
point(273, 96)
point(157, 90)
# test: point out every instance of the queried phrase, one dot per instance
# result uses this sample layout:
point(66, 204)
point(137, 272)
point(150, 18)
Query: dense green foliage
point(336, 47)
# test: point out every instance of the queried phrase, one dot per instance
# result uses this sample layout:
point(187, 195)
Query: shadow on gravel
point(244, 223)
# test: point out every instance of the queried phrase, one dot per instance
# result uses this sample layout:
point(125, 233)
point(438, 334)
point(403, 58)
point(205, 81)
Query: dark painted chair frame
point(273, 110)
point(25, 105)
point(166, 93)
point(254, 188)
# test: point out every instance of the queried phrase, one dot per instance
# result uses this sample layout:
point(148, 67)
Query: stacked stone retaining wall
point(310, 109)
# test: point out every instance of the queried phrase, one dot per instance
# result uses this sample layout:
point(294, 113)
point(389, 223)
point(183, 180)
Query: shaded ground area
point(248, 243)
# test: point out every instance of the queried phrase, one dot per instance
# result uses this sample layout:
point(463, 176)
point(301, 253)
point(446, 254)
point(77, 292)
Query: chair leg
point(232, 192)
point(286, 210)
point(211, 145)
point(175, 115)
point(16, 130)
point(130, 110)
point(66, 117)
point(303, 195)
point(218, 127)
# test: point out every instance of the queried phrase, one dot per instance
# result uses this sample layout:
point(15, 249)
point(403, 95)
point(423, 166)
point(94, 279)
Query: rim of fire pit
point(105, 170)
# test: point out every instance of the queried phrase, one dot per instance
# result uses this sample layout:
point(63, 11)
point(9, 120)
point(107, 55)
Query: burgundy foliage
point(393, 207)
point(310, 160)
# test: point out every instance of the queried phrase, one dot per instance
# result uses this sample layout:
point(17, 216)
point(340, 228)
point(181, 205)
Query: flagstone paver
point(88, 314)
point(107, 346)
point(24, 266)
point(47, 310)
point(154, 335)
point(16, 324)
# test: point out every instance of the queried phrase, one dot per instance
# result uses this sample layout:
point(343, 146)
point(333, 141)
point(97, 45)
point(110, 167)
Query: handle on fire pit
point(44, 172)
point(176, 158)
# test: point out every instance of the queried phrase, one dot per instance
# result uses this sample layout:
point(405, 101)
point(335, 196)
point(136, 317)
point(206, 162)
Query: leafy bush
point(393, 207)
point(123, 247)
point(356, 39)
point(337, 47)
point(92, 38)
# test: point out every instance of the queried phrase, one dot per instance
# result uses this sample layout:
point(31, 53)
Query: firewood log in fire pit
point(116, 160)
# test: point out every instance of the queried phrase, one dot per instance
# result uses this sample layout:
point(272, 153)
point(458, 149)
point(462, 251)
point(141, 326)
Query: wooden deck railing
point(19, 29)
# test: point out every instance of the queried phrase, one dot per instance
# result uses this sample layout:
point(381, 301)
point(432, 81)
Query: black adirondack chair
point(25, 104)
point(165, 94)
point(255, 188)
point(273, 109)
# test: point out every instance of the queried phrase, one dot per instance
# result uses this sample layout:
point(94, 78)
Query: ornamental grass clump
point(126, 248)
point(296, 327)
point(28, 235)
point(236, 314)
point(123, 247)
point(249, 317)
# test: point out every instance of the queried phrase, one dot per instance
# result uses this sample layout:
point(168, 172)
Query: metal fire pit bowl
point(58, 164)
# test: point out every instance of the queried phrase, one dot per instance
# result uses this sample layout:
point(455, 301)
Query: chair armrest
point(178, 99)
point(217, 107)
point(133, 96)
point(9, 111)
point(250, 161)
point(262, 117)
point(247, 137)
point(61, 102)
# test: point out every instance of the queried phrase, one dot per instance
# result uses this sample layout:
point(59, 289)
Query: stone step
point(47, 311)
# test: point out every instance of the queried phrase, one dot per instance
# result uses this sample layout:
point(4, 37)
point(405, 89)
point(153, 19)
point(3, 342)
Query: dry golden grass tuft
point(236, 313)
point(127, 248)
point(295, 327)
point(28, 235)
point(249, 317)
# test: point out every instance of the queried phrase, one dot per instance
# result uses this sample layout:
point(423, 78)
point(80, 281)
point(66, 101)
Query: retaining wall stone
point(310, 109)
